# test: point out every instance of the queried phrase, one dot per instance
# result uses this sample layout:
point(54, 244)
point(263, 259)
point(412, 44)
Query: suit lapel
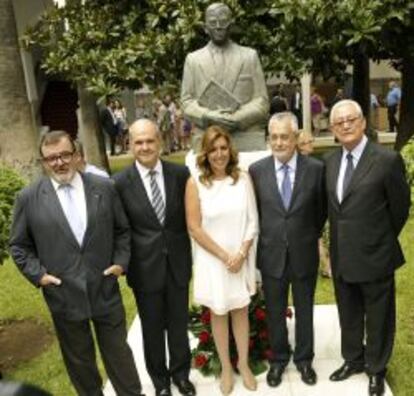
point(300, 170)
point(233, 66)
point(332, 173)
point(206, 64)
point(270, 177)
point(364, 165)
point(56, 211)
point(170, 187)
point(93, 198)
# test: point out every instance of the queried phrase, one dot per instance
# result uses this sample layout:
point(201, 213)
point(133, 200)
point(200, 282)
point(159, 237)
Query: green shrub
point(408, 155)
point(10, 184)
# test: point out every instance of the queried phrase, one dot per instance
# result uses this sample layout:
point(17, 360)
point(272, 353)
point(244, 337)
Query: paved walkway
point(327, 359)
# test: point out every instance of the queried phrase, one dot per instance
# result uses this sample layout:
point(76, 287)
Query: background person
point(109, 124)
point(77, 271)
point(368, 202)
point(393, 101)
point(290, 193)
point(222, 220)
point(84, 166)
point(152, 192)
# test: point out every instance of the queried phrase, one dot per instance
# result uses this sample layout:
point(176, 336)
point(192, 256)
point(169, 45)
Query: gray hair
point(282, 117)
point(343, 103)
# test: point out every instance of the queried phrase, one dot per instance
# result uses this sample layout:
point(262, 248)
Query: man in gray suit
point(237, 71)
point(291, 201)
point(70, 237)
point(368, 203)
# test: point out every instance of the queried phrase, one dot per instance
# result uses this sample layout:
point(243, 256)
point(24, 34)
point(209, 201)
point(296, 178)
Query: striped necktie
point(157, 201)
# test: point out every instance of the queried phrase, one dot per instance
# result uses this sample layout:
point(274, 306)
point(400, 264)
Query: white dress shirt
point(280, 173)
point(145, 176)
point(356, 155)
point(79, 196)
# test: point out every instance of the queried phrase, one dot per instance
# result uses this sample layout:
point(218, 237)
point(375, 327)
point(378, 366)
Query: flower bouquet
point(205, 357)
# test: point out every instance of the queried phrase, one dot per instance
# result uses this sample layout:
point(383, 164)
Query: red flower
point(263, 334)
point(260, 314)
point(289, 313)
point(204, 337)
point(200, 360)
point(205, 317)
point(268, 354)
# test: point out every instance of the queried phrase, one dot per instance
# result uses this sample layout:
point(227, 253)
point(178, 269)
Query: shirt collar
point(358, 149)
point(144, 171)
point(76, 182)
point(291, 163)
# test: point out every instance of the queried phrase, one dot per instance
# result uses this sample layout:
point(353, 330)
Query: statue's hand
point(221, 118)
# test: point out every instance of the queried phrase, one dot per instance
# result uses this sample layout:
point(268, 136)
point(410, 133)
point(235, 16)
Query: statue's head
point(218, 20)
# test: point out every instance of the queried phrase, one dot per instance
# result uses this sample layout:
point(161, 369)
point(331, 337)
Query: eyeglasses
point(65, 157)
point(351, 121)
point(218, 23)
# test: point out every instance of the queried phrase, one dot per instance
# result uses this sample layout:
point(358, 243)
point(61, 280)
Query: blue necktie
point(286, 186)
point(72, 212)
point(349, 170)
point(157, 201)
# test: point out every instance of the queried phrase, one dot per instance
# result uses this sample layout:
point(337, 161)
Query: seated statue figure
point(223, 84)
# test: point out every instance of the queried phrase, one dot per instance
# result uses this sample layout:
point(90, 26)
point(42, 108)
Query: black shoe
point(274, 375)
point(185, 387)
point(345, 371)
point(376, 385)
point(163, 391)
point(307, 374)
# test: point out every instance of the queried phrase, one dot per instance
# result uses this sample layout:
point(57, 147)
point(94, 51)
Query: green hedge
point(10, 184)
point(408, 154)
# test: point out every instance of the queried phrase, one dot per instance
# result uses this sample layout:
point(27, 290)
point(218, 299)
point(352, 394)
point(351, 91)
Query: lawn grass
point(19, 300)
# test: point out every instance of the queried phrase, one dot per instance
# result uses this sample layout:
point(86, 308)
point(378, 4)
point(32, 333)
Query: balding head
point(145, 142)
point(216, 8)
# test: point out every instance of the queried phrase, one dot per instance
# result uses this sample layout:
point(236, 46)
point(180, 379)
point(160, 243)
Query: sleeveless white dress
point(229, 216)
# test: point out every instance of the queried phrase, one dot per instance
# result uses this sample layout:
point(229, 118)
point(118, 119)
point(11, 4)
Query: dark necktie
point(348, 173)
point(286, 186)
point(157, 201)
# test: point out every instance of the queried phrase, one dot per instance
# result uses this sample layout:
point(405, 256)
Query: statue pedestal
point(246, 158)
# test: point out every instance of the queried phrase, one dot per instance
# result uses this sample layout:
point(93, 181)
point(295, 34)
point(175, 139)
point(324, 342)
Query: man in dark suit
point(109, 123)
point(70, 237)
point(368, 204)
point(292, 210)
point(152, 192)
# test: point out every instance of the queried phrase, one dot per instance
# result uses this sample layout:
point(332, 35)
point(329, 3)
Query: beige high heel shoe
point(249, 380)
point(226, 383)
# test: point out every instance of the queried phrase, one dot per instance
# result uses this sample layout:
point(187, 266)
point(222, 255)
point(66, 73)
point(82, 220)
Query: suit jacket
point(293, 232)
point(107, 122)
point(364, 227)
point(243, 77)
point(156, 248)
point(42, 241)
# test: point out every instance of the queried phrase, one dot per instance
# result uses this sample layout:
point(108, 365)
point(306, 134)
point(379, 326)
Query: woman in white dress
point(222, 220)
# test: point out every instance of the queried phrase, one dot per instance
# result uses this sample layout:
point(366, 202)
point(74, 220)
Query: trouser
point(392, 118)
point(367, 319)
point(164, 317)
point(78, 350)
point(276, 291)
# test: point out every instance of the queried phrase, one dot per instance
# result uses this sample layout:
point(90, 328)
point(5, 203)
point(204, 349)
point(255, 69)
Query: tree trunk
point(360, 88)
point(18, 133)
point(90, 129)
point(406, 127)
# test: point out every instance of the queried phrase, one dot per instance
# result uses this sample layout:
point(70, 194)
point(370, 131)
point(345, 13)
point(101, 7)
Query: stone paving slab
point(327, 359)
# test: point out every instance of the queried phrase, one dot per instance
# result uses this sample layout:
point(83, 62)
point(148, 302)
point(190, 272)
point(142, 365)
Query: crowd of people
point(175, 129)
point(140, 224)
